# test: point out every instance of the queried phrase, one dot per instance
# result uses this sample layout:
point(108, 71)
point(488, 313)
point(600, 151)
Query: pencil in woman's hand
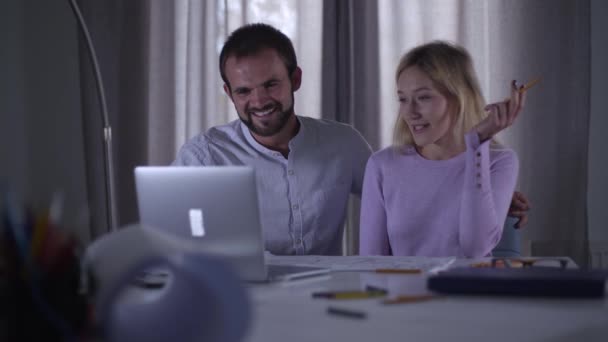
point(529, 85)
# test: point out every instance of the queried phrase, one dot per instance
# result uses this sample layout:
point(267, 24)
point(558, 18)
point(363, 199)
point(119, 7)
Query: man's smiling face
point(262, 91)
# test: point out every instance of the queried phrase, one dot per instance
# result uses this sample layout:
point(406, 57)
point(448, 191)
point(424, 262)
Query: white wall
point(597, 195)
point(41, 143)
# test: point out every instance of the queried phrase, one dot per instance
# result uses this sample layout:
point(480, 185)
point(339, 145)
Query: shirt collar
point(293, 143)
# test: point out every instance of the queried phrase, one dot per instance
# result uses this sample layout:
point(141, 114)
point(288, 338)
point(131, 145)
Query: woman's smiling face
point(425, 110)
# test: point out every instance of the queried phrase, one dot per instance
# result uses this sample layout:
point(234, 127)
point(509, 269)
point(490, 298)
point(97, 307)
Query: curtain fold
point(551, 138)
point(351, 65)
point(350, 92)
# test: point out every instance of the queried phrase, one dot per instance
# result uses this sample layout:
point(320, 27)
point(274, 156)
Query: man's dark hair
point(253, 38)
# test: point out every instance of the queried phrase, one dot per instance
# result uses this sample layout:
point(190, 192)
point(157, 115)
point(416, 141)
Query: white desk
point(289, 313)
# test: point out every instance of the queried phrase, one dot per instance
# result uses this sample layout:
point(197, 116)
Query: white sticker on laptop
point(197, 226)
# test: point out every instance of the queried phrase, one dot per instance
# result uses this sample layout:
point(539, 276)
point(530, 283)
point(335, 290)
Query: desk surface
point(287, 312)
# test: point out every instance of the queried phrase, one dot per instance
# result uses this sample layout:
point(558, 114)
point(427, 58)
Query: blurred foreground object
point(39, 277)
point(200, 298)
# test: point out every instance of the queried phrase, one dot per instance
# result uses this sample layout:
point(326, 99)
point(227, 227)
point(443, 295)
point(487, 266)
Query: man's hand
point(519, 209)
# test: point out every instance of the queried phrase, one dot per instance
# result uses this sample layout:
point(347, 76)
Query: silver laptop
point(217, 208)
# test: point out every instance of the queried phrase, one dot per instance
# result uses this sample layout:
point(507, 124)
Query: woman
point(445, 187)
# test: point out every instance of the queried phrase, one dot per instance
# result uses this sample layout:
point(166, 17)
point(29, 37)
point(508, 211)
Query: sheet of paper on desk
point(361, 263)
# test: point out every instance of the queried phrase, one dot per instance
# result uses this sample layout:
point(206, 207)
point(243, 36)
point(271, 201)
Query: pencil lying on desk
point(349, 294)
point(398, 270)
point(346, 312)
point(409, 299)
point(371, 288)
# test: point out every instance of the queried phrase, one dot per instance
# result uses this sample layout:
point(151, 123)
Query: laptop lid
point(217, 208)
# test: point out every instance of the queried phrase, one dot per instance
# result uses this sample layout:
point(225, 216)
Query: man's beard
point(273, 127)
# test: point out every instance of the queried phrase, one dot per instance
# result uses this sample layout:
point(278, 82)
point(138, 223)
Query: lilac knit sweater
point(412, 206)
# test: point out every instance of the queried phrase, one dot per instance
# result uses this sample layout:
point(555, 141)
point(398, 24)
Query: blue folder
point(531, 281)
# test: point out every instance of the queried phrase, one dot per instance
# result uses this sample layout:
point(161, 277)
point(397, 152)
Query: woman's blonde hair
point(450, 67)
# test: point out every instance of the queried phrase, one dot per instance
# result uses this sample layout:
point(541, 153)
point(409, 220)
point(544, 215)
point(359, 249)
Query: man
point(305, 168)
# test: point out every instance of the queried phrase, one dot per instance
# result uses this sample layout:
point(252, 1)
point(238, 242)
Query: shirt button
point(295, 206)
point(290, 172)
point(479, 154)
point(298, 241)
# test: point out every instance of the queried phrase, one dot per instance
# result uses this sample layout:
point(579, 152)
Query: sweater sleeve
point(373, 235)
point(487, 192)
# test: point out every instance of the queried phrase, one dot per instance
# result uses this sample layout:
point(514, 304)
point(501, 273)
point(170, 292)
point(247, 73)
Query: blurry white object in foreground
point(201, 300)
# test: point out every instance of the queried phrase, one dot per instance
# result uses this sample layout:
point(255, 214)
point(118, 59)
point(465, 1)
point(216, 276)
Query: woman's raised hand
point(502, 114)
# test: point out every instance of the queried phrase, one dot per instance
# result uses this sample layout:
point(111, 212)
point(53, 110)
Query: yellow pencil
point(529, 85)
point(409, 299)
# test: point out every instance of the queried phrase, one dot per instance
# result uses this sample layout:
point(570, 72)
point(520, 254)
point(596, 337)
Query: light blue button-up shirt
point(303, 198)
